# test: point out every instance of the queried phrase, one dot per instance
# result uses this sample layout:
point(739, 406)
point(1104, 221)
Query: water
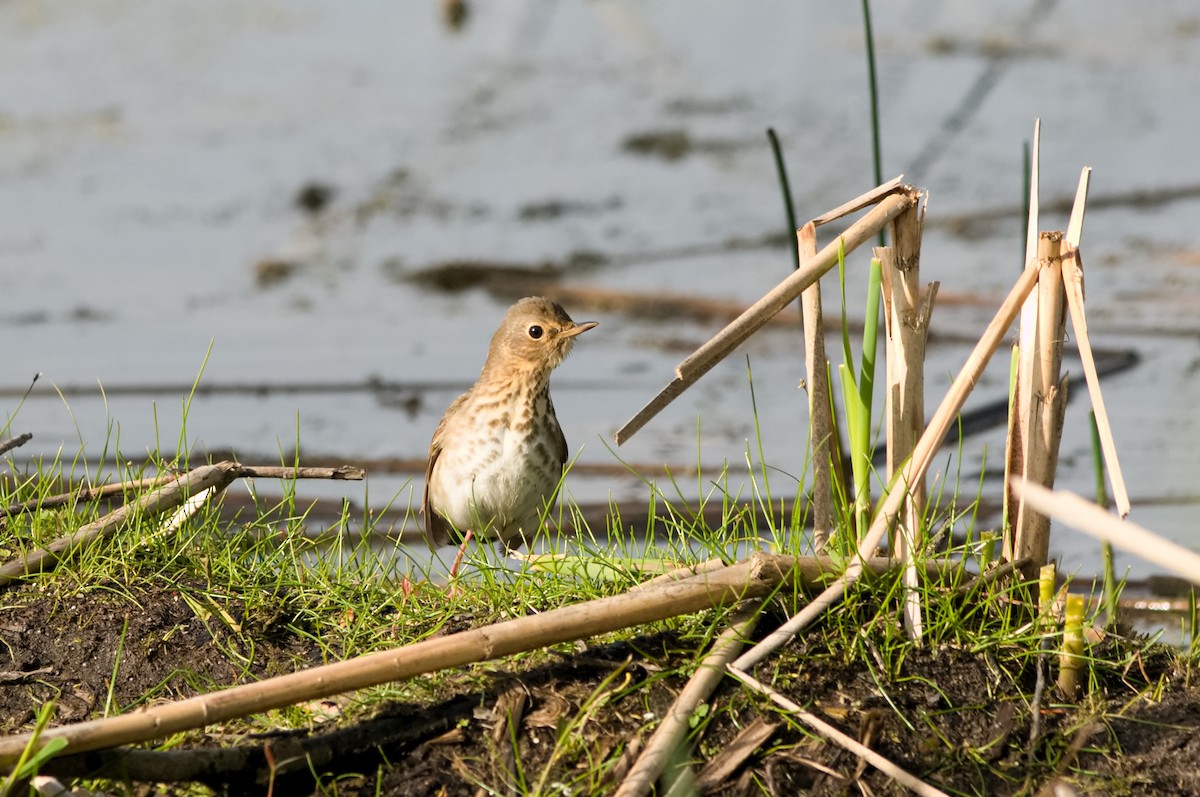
point(151, 152)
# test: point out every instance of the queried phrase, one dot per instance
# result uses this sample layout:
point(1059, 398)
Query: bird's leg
point(462, 549)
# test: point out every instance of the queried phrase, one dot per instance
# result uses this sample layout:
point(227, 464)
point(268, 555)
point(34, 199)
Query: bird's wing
point(437, 528)
point(562, 441)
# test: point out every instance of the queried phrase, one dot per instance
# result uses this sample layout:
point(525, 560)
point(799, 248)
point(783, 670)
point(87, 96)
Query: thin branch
point(834, 735)
point(673, 729)
point(15, 442)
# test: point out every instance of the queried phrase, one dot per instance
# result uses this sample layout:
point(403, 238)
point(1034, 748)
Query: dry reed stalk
point(861, 201)
point(1072, 271)
point(1098, 522)
point(1014, 442)
point(1042, 416)
point(673, 729)
point(820, 408)
point(754, 578)
point(810, 571)
point(679, 574)
point(913, 470)
point(907, 319)
point(834, 735)
point(755, 316)
point(166, 497)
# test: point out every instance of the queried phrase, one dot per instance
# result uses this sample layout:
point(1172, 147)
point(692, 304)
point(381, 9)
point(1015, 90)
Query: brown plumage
point(497, 456)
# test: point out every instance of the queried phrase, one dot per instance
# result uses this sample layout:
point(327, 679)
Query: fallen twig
point(15, 442)
point(837, 737)
point(673, 728)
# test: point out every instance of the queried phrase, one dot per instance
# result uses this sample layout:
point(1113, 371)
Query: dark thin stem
point(876, 148)
point(788, 208)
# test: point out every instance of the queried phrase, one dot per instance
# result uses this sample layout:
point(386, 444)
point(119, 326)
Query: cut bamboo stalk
point(916, 467)
point(673, 729)
point(1097, 522)
point(1044, 412)
point(901, 776)
point(754, 578)
point(750, 321)
point(820, 409)
point(1072, 270)
point(164, 498)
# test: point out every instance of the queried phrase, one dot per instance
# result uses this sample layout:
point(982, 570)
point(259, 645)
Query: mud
point(958, 719)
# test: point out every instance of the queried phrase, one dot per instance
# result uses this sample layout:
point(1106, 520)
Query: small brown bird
point(498, 454)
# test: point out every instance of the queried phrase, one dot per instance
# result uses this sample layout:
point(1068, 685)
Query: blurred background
point(324, 209)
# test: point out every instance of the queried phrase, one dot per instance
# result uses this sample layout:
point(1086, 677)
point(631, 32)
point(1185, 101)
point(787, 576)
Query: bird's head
point(535, 333)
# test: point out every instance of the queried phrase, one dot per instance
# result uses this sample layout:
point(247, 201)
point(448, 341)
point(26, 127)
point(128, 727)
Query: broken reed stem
point(861, 201)
point(1041, 417)
point(673, 729)
point(754, 578)
point(914, 470)
point(820, 408)
point(750, 321)
point(834, 735)
point(1019, 400)
point(1094, 520)
point(679, 574)
point(908, 320)
point(166, 497)
point(1072, 272)
point(1073, 282)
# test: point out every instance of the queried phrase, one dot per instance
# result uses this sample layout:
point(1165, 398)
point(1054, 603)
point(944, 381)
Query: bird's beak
point(579, 329)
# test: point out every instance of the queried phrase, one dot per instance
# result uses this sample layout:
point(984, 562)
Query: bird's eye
point(536, 332)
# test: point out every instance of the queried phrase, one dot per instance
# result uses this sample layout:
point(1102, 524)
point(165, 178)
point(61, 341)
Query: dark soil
point(957, 719)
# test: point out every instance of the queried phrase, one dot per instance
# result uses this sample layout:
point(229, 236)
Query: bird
point(497, 456)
